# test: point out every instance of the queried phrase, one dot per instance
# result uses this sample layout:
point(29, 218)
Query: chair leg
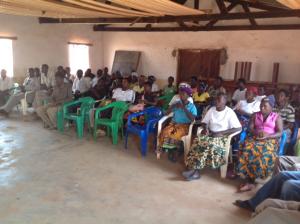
point(95, 132)
point(144, 143)
point(223, 170)
point(114, 133)
point(60, 121)
point(79, 126)
point(122, 131)
point(126, 139)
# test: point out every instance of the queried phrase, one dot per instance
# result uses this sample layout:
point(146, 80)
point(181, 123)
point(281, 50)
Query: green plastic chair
point(166, 100)
point(113, 124)
point(80, 117)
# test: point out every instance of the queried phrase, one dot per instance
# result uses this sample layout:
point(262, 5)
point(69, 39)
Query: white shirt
point(31, 84)
point(239, 95)
point(6, 83)
point(154, 87)
point(249, 108)
point(48, 80)
point(259, 98)
point(125, 96)
point(82, 85)
point(94, 81)
point(176, 98)
point(221, 120)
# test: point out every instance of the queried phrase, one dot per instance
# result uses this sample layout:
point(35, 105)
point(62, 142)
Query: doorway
point(202, 63)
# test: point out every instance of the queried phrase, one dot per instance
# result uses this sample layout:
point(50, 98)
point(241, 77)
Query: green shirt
point(169, 90)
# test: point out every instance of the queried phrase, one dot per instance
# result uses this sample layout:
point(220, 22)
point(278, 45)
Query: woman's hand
point(262, 136)
point(179, 105)
point(205, 131)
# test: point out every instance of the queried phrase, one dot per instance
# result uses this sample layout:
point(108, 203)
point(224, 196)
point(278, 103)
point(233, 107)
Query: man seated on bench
point(6, 83)
point(30, 86)
point(62, 92)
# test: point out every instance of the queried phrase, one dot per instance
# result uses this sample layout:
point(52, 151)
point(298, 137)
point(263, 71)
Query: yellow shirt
point(138, 89)
point(202, 98)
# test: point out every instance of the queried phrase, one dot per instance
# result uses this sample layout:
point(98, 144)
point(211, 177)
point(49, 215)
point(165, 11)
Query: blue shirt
point(180, 116)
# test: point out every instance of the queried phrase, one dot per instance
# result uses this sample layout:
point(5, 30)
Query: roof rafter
point(200, 28)
point(251, 18)
point(171, 19)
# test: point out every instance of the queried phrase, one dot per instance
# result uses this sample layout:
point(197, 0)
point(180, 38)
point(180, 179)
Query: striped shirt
point(287, 113)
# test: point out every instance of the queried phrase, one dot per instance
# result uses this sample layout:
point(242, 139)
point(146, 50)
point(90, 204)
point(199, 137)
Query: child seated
point(170, 88)
point(201, 98)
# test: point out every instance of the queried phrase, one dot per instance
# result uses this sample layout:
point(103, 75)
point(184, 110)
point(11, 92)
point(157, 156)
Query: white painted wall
point(261, 47)
point(42, 43)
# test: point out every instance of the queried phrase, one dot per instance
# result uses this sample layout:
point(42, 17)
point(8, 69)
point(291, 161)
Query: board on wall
point(126, 61)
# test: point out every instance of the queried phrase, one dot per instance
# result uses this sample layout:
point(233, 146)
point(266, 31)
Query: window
point(6, 56)
point(78, 57)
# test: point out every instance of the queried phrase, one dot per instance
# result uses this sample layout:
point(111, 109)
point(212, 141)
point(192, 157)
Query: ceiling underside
point(162, 15)
point(95, 9)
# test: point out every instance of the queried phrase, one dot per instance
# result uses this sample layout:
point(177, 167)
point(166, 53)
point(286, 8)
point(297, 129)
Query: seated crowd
point(262, 117)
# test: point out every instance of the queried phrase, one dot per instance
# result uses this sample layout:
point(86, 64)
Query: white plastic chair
point(223, 169)
point(186, 139)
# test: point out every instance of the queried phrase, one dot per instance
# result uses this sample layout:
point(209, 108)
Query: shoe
point(188, 173)
point(244, 205)
point(194, 176)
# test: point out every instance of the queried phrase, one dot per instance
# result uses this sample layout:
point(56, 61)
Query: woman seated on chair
point(245, 108)
point(258, 152)
point(184, 113)
point(209, 148)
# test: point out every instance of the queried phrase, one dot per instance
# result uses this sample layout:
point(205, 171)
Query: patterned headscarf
point(187, 90)
point(270, 99)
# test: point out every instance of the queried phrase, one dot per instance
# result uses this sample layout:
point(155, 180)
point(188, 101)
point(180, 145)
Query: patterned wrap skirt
point(257, 158)
point(206, 151)
point(170, 136)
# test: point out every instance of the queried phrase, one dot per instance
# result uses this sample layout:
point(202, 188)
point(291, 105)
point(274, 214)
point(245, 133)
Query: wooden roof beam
point(199, 28)
point(222, 7)
point(259, 5)
point(229, 8)
point(251, 18)
point(171, 19)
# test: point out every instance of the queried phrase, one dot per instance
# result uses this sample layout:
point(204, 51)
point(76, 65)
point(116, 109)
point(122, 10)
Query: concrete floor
point(47, 177)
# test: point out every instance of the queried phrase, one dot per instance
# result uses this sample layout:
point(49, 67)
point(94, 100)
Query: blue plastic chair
point(294, 136)
point(282, 143)
point(152, 116)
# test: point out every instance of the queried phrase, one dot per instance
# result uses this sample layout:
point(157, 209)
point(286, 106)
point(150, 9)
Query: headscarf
point(270, 99)
point(253, 89)
point(184, 84)
point(186, 89)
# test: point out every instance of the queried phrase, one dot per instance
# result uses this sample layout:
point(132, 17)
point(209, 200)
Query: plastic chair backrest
point(119, 108)
point(166, 98)
point(85, 104)
point(295, 134)
point(153, 113)
point(282, 143)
